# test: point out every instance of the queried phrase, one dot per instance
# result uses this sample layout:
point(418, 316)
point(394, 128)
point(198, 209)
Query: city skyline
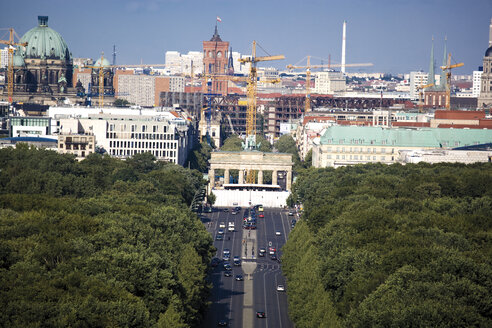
point(396, 36)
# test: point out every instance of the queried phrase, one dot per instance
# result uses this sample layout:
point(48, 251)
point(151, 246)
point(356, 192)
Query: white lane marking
point(278, 300)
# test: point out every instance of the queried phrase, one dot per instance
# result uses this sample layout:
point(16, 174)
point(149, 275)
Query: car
point(208, 210)
point(227, 273)
point(278, 233)
point(271, 250)
point(261, 251)
point(293, 223)
point(226, 210)
point(227, 266)
point(234, 212)
point(260, 208)
point(237, 261)
point(260, 314)
point(220, 231)
point(291, 213)
point(280, 288)
point(222, 225)
point(274, 257)
point(222, 323)
point(226, 257)
point(237, 208)
point(226, 251)
point(219, 237)
point(239, 277)
point(261, 215)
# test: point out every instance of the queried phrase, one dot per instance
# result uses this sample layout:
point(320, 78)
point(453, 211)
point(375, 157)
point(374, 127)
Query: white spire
point(343, 45)
point(490, 33)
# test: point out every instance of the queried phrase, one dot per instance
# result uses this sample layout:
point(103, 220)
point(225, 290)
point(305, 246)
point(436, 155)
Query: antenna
point(114, 54)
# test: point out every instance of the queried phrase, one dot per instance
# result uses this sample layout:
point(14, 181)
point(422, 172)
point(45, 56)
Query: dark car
point(226, 209)
point(219, 237)
point(260, 314)
point(227, 273)
point(293, 223)
point(222, 323)
point(215, 262)
point(262, 251)
point(239, 277)
point(273, 257)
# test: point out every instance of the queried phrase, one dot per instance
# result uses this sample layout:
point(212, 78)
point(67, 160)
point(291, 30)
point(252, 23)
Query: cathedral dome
point(488, 52)
point(44, 42)
point(102, 62)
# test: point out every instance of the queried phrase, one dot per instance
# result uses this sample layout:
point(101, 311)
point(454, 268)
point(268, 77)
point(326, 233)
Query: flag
point(218, 19)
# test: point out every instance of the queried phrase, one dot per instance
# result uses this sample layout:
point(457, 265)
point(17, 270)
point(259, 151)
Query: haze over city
point(394, 35)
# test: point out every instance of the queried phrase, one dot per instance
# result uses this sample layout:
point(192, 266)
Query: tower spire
point(442, 82)
point(490, 33)
point(431, 77)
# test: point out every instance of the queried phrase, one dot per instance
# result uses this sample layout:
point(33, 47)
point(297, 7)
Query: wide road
point(237, 301)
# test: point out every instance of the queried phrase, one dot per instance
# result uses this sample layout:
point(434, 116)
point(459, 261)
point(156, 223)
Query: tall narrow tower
point(215, 58)
point(344, 35)
point(490, 33)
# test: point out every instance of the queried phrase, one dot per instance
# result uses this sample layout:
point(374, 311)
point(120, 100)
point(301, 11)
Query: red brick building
point(215, 60)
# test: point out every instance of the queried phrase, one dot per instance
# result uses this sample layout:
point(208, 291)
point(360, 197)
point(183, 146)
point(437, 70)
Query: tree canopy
point(99, 243)
point(392, 246)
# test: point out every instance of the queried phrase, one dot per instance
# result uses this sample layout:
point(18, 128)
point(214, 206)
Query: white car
point(280, 288)
point(278, 233)
point(222, 225)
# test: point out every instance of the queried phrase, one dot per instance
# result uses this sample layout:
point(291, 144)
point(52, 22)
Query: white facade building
point(178, 64)
point(4, 57)
point(173, 62)
point(477, 80)
point(329, 82)
point(417, 79)
point(125, 132)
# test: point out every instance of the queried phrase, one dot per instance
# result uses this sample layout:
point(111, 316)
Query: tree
point(211, 198)
point(233, 143)
point(120, 102)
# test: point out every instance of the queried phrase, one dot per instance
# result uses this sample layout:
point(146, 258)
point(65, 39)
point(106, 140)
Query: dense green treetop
point(392, 246)
point(99, 243)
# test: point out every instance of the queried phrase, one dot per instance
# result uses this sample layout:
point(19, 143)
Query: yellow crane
point(420, 89)
point(10, 71)
point(448, 69)
point(308, 67)
point(250, 143)
point(102, 73)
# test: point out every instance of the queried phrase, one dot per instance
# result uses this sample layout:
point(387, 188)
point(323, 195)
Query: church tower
point(215, 61)
point(485, 98)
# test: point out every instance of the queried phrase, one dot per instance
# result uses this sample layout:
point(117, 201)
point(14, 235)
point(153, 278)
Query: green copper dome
point(104, 61)
point(44, 42)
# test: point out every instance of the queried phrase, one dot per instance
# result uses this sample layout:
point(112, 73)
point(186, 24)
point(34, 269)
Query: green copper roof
point(398, 137)
point(18, 61)
point(44, 42)
point(105, 62)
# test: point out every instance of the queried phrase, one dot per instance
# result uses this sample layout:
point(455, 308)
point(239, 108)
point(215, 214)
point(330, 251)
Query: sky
point(394, 35)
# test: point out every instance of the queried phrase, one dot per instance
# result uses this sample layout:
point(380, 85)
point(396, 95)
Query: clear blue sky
point(395, 35)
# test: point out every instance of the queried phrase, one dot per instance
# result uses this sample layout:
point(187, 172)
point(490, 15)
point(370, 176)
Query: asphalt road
point(237, 301)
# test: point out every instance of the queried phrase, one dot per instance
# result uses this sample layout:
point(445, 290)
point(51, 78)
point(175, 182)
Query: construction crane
point(420, 89)
point(250, 143)
point(10, 71)
point(448, 69)
point(251, 95)
point(101, 74)
point(308, 67)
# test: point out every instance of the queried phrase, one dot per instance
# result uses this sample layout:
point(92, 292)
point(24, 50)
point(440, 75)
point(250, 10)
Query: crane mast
point(10, 70)
point(448, 69)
